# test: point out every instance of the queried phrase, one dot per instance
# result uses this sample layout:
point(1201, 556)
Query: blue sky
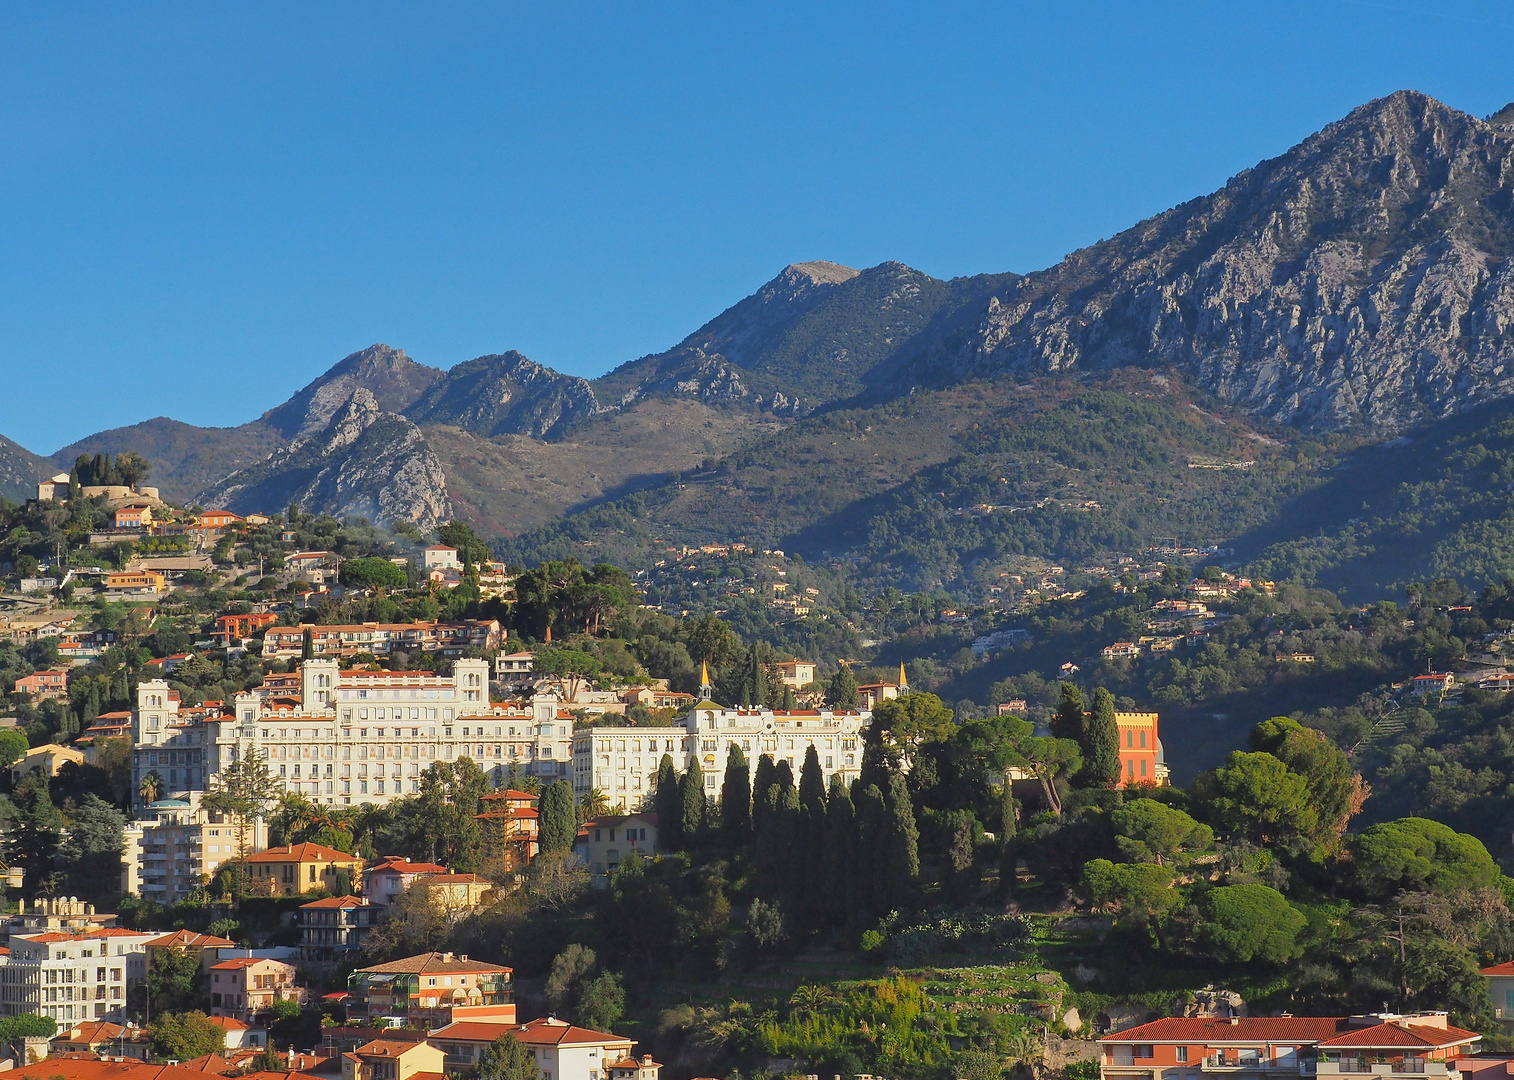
point(207, 205)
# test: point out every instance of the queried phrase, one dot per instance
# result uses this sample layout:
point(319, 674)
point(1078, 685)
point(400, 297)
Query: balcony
point(1398, 1067)
point(1255, 1063)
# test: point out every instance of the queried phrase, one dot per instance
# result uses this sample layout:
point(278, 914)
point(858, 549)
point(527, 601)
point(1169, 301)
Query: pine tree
point(667, 800)
point(558, 823)
point(692, 805)
point(1101, 750)
point(901, 844)
point(736, 798)
point(762, 780)
point(1068, 721)
point(842, 691)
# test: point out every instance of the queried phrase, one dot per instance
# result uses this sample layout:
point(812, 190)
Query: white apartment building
point(72, 977)
point(351, 737)
point(622, 762)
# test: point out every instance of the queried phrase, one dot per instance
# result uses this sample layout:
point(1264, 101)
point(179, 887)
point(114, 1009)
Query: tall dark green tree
point(92, 849)
point(840, 860)
point(842, 691)
point(811, 838)
point(1101, 749)
point(692, 804)
point(667, 801)
point(36, 834)
point(870, 883)
point(558, 822)
point(1069, 719)
point(901, 844)
point(736, 798)
point(763, 779)
point(1009, 847)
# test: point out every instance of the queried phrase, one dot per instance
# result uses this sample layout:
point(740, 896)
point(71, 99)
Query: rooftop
point(425, 963)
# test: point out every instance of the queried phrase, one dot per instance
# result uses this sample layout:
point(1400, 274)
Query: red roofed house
point(566, 1052)
point(1501, 989)
point(391, 1059)
point(43, 685)
point(1386, 1044)
point(290, 871)
point(633, 1068)
point(87, 1038)
point(335, 927)
point(231, 628)
point(244, 987)
point(432, 989)
point(603, 842)
point(135, 516)
point(217, 520)
point(392, 875)
point(510, 822)
point(240, 1035)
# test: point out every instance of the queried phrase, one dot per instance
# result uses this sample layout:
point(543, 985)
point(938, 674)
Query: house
point(1501, 681)
point(633, 1068)
point(302, 868)
point(301, 561)
point(50, 758)
point(869, 695)
point(441, 556)
point(216, 521)
point(183, 942)
point(381, 639)
point(1120, 649)
point(566, 1052)
point(249, 985)
point(431, 989)
point(134, 516)
point(54, 487)
point(106, 960)
point(334, 927)
point(510, 824)
point(516, 665)
point(166, 665)
point(1012, 707)
point(463, 1041)
point(1141, 758)
point(255, 520)
point(1501, 989)
point(392, 1059)
point(455, 893)
point(603, 842)
point(794, 673)
point(240, 1035)
point(391, 876)
point(1382, 1044)
point(234, 628)
point(90, 1037)
point(1437, 683)
point(135, 585)
point(43, 685)
point(657, 698)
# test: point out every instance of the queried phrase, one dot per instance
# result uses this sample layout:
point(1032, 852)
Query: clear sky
point(204, 206)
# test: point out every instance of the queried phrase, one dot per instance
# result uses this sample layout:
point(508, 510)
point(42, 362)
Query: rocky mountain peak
point(506, 394)
point(392, 378)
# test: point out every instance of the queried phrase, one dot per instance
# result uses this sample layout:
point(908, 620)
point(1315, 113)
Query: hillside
point(185, 459)
point(20, 469)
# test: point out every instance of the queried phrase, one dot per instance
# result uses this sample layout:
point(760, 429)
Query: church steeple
point(706, 692)
point(903, 681)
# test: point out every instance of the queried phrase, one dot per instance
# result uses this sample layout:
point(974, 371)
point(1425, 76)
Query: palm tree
point(151, 789)
point(595, 804)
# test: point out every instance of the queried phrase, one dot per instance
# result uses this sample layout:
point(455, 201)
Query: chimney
point(462, 956)
point(1234, 1020)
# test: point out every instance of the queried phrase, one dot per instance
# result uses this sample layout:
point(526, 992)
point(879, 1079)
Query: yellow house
point(388, 1059)
point(303, 868)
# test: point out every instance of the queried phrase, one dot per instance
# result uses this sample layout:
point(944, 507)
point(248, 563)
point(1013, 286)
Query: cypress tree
point(1009, 848)
point(691, 816)
point(811, 839)
point(1068, 721)
point(763, 779)
point(736, 798)
point(667, 800)
point(840, 859)
point(962, 875)
point(869, 884)
point(783, 774)
point(558, 825)
point(901, 844)
point(769, 855)
point(793, 875)
point(758, 676)
point(1101, 751)
point(842, 691)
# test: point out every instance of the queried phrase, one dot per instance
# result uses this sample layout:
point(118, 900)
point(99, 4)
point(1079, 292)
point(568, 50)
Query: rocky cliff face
point(1363, 279)
point(505, 395)
point(392, 378)
point(364, 461)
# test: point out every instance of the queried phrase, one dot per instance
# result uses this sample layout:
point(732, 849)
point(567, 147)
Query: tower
point(706, 692)
point(903, 680)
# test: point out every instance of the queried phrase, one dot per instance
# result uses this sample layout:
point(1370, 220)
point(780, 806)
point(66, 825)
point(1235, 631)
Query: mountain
point(505, 395)
point(364, 461)
point(1363, 280)
point(185, 459)
point(20, 469)
point(392, 378)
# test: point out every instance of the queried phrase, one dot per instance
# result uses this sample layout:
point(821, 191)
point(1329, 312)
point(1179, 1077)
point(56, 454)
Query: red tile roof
point(405, 866)
point(244, 962)
point(473, 1031)
point(337, 902)
point(1242, 1029)
point(1500, 969)
point(301, 853)
point(552, 1031)
point(188, 939)
point(228, 1022)
point(1382, 1036)
point(424, 963)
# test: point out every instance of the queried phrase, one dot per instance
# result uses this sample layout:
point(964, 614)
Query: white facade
point(440, 555)
point(179, 848)
point(72, 977)
point(622, 762)
point(355, 736)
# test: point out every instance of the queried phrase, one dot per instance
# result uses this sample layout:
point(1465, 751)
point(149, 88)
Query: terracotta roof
point(213, 1063)
point(281, 1076)
point(188, 939)
point(53, 935)
point(93, 1032)
point(1504, 968)
point(302, 852)
point(82, 1069)
point(629, 1062)
point(457, 879)
point(244, 962)
point(556, 1032)
point(337, 902)
point(405, 866)
point(1392, 1035)
point(1243, 1029)
point(425, 963)
point(385, 1048)
point(228, 1022)
point(472, 1031)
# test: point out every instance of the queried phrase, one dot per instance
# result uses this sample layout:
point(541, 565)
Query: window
point(1182, 1053)
point(1143, 1051)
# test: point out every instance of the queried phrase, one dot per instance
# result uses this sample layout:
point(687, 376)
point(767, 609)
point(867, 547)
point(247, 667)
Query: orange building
point(1141, 758)
point(509, 824)
point(237, 627)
